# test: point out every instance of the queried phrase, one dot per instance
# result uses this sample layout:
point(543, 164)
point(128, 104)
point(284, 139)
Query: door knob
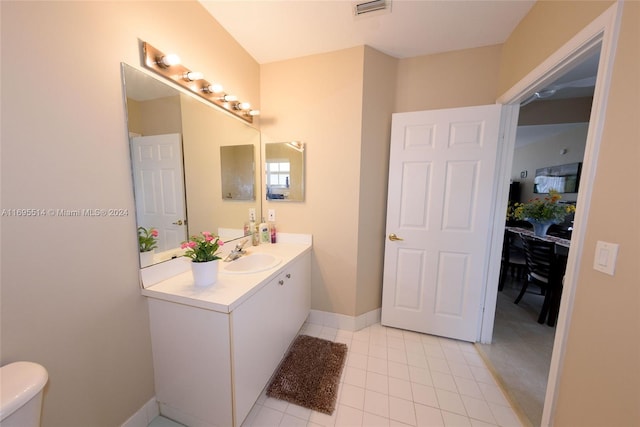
point(178, 222)
point(394, 238)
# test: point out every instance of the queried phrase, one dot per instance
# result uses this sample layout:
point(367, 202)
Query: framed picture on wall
point(563, 178)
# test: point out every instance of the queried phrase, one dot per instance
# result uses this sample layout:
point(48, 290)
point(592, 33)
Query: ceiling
point(275, 30)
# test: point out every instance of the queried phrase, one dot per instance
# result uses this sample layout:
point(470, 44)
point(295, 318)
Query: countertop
point(231, 289)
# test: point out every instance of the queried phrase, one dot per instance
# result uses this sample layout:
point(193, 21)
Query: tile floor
point(400, 378)
point(521, 350)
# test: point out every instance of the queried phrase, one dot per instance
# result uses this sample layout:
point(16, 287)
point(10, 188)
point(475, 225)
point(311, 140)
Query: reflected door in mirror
point(159, 192)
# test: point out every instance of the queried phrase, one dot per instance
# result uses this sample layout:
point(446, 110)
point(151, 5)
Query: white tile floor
point(400, 378)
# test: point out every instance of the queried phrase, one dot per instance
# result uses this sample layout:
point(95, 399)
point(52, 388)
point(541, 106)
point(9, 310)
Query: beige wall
point(543, 30)
point(546, 112)
point(157, 117)
point(318, 100)
point(380, 71)
point(70, 297)
point(340, 105)
point(448, 80)
point(600, 382)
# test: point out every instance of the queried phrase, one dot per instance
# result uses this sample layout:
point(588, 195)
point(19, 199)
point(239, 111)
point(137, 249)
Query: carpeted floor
point(309, 375)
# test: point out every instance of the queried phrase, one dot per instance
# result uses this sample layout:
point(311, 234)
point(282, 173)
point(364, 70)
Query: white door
point(441, 189)
point(159, 187)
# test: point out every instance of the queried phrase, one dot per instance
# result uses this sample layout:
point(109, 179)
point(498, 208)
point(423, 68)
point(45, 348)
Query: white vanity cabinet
point(211, 366)
point(263, 328)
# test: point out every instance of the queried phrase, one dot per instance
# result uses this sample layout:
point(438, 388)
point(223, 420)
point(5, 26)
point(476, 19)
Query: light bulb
point(214, 88)
point(244, 106)
point(193, 75)
point(169, 60)
point(254, 112)
point(229, 98)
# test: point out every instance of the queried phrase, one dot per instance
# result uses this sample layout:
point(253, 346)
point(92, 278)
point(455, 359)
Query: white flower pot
point(146, 258)
point(204, 273)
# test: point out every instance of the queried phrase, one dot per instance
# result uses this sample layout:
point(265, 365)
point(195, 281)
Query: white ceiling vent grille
point(371, 6)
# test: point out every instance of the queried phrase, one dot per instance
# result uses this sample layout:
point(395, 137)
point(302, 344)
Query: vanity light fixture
point(169, 67)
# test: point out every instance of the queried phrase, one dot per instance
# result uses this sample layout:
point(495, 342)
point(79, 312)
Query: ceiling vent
point(371, 6)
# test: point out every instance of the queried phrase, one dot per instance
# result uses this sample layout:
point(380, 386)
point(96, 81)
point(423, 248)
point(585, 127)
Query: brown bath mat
point(310, 374)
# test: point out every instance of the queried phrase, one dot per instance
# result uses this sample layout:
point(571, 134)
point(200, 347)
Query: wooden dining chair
point(543, 271)
point(512, 258)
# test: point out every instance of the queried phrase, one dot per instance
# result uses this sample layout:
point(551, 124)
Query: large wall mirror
point(181, 148)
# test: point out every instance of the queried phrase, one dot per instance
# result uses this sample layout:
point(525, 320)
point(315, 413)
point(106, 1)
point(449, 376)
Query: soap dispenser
point(263, 229)
point(272, 226)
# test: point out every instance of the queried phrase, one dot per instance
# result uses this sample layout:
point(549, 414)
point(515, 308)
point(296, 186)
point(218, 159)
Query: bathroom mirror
point(238, 172)
point(177, 164)
point(284, 171)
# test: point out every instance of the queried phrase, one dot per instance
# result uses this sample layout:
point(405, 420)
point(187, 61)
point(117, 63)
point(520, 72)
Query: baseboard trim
point(144, 415)
point(341, 321)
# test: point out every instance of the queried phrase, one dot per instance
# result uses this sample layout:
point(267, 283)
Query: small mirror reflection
point(284, 171)
point(238, 172)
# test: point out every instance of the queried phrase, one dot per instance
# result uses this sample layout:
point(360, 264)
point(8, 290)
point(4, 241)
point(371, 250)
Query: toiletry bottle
point(255, 239)
point(272, 225)
point(264, 232)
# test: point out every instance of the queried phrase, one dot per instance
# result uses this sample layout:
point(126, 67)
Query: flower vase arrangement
point(542, 213)
point(203, 251)
point(146, 244)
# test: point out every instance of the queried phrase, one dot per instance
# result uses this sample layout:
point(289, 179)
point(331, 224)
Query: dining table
point(561, 248)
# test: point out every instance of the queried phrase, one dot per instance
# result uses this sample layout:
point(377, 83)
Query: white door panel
point(159, 187)
point(441, 175)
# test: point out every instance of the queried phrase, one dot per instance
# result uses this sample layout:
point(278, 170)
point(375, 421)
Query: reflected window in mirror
point(284, 171)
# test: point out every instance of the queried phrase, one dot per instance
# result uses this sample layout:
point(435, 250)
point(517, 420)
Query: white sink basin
point(251, 263)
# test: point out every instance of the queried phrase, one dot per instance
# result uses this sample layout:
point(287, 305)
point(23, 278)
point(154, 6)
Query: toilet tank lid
point(19, 383)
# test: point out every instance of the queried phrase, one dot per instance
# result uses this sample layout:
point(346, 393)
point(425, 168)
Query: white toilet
point(21, 385)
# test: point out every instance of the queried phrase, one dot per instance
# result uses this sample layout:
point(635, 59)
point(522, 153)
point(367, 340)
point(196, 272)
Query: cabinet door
point(262, 329)
point(256, 345)
point(296, 297)
point(191, 362)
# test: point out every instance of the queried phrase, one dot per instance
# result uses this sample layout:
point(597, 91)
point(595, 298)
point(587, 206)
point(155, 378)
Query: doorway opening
point(552, 131)
point(598, 36)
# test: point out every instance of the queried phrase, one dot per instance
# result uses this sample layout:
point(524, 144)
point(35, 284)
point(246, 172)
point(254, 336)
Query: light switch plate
point(271, 215)
point(252, 214)
point(605, 257)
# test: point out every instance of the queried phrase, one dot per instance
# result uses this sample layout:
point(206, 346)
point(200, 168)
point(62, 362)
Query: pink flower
point(184, 245)
point(206, 234)
point(208, 238)
point(154, 232)
point(220, 243)
point(192, 244)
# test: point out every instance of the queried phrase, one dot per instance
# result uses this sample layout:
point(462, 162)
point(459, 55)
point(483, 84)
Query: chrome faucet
point(237, 252)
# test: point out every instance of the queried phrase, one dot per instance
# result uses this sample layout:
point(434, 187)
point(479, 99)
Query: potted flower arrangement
point(541, 213)
point(147, 242)
point(147, 239)
point(203, 252)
